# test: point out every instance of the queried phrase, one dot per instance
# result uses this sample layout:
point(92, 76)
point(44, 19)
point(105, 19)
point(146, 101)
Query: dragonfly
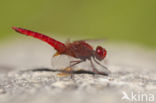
point(79, 49)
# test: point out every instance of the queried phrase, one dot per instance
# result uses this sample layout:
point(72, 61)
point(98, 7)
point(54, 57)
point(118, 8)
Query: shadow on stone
point(74, 72)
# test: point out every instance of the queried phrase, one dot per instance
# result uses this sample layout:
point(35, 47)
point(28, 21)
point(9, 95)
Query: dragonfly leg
point(107, 70)
point(94, 69)
point(69, 70)
point(74, 63)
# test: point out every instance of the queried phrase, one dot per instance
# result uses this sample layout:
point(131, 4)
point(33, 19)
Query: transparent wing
point(94, 41)
point(63, 61)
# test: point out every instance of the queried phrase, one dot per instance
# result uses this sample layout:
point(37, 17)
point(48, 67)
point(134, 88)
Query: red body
point(77, 49)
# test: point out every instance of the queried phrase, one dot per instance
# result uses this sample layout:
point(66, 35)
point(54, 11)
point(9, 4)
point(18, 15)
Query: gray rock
point(133, 71)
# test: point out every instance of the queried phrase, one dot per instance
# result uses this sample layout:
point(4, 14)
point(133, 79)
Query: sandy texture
point(133, 70)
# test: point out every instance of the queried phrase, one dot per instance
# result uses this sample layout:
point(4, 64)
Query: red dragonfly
point(77, 49)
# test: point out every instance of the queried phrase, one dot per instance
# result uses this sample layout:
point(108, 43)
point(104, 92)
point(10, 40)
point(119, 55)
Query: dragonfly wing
point(95, 41)
point(61, 62)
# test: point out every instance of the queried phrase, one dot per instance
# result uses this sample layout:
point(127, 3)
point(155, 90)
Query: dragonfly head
point(100, 53)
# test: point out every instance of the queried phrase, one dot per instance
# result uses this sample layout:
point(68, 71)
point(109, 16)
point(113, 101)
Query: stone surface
point(25, 76)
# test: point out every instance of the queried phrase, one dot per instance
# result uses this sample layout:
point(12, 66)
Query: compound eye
point(100, 53)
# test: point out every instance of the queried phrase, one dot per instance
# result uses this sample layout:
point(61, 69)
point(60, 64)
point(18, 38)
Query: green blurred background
point(118, 20)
